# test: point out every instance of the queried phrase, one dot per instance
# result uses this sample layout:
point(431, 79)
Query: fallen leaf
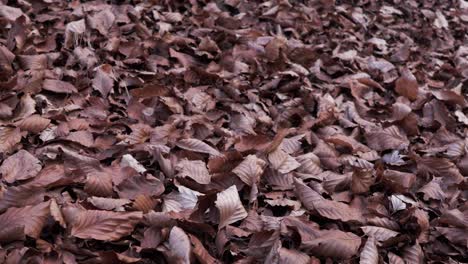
point(230, 207)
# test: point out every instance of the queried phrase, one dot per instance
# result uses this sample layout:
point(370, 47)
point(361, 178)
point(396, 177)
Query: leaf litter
point(233, 131)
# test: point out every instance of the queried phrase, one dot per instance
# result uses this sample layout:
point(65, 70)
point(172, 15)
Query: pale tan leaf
point(184, 199)
point(129, 161)
point(388, 138)
point(379, 233)
point(179, 246)
point(20, 166)
point(196, 145)
point(282, 161)
point(250, 169)
point(229, 206)
point(369, 254)
point(193, 169)
point(102, 225)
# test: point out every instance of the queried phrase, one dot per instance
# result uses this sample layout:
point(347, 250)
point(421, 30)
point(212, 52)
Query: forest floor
point(279, 132)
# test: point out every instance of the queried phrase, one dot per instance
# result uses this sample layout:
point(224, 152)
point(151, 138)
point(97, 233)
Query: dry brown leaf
point(290, 256)
point(310, 164)
point(369, 253)
point(230, 207)
point(362, 181)
point(200, 251)
point(144, 203)
point(395, 259)
point(137, 185)
point(20, 166)
point(379, 233)
point(455, 217)
point(56, 213)
point(313, 201)
point(282, 161)
point(413, 254)
point(108, 204)
point(102, 21)
point(99, 183)
point(21, 195)
point(33, 124)
point(196, 145)
point(333, 243)
point(129, 161)
point(103, 81)
point(250, 169)
point(388, 138)
point(18, 222)
point(399, 181)
point(58, 86)
point(432, 190)
point(101, 225)
point(179, 246)
point(407, 85)
point(193, 169)
point(439, 167)
point(9, 138)
point(455, 235)
point(184, 199)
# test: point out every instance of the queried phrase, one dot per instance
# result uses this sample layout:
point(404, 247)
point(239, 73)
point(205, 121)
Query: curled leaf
point(229, 206)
